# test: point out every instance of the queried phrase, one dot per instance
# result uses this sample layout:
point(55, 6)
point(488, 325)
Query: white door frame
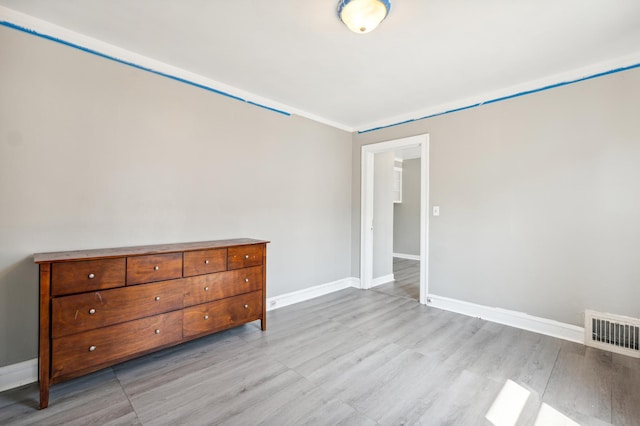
point(366, 208)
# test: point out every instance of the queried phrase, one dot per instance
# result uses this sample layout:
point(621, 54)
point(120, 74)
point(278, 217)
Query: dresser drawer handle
point(157, 298)
point(206, 289)
point(246, 280)
point(206, 262)
point(92, 311)
point(246, 306)
point(156, 268)
point(157, 331)
point(92, 276)
point(206, 317)
point(92, 348)
point(246, 256)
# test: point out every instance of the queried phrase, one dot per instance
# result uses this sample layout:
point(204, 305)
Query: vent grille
point(614, 333)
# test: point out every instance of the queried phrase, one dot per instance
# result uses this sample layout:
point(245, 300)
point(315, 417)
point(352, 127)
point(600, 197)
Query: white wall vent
point(615, 333)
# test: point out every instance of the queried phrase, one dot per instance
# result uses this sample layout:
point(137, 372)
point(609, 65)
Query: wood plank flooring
point(407, 279)
point(353, 357)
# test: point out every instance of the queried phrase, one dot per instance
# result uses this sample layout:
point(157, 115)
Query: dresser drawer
point(87, 275)
point(207, 288)
point(222, 314)
point(97, 347)
point(155, 267)
point(204, 261)
point(82, 312)
point(243, 256)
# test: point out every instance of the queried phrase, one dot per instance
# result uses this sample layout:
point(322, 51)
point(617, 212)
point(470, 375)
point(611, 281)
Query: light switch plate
point(436, 210)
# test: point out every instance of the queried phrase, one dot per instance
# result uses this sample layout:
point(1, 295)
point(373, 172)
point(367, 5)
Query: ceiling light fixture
point(362, 16)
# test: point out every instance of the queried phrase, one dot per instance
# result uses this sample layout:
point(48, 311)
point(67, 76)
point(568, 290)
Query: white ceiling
point(426, 57)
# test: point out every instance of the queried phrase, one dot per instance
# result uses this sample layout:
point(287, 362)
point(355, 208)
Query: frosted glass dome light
point(363, 16)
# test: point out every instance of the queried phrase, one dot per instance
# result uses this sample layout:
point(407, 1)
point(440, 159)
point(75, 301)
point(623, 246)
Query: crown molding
point(38, 27)
point(574, 76)
point(32, 25)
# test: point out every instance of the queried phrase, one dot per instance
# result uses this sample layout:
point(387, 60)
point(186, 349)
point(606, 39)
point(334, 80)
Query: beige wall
point(539, 200)
point(97, 154)
point(539, 195)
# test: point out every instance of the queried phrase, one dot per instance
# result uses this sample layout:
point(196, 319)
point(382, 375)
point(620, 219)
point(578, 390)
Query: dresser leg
point(263, 320)
point(44, 354)
point(44, 395)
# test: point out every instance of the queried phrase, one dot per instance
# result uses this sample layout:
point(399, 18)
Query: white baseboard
point(355, 282)
point(22, 373)
point(382, 280)
point(407, 256)
point(12, 376)
point(310, 293)
point(552, 328)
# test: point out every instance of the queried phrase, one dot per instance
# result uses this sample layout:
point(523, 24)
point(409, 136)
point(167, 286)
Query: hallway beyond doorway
point(407, 279)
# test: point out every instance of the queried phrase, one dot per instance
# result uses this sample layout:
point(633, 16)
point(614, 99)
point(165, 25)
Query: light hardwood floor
point(353, 357)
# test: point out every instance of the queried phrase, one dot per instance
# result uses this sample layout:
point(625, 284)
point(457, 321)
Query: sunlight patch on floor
point(549, 416)
point(508, 405)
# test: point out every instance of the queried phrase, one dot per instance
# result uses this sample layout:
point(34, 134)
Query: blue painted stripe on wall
point(140, 67)
point(219, 92)
point(269, 108)
point(503, 98)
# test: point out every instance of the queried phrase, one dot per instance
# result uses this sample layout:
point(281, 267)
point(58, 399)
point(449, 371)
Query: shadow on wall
point(18, 299)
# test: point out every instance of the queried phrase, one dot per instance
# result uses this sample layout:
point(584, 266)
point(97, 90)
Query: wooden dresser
point(101, 307)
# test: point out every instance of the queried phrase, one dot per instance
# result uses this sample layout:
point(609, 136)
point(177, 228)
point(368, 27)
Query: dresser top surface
point(68, 256)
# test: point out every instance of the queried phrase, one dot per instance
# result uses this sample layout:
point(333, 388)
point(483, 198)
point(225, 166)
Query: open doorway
point(404, 226)
point(372, 242)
